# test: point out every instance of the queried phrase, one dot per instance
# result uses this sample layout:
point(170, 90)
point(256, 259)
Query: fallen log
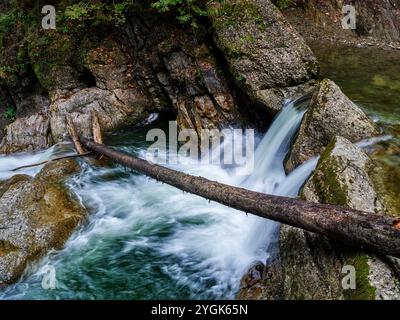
point(97, 134)
point(376, 233)
point(74, 135)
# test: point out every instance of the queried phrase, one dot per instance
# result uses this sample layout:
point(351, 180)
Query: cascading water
point(147, 240)
point(23, 160)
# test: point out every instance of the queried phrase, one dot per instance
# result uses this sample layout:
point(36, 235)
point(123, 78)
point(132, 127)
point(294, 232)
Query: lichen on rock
point(267, 57)
point(310, 264)
point(330, 113)
point(37, 215)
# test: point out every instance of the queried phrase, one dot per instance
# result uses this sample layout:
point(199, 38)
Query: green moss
point(186, 11)
point(385, 176)
point(240, 78)
point(233, 49)
point(10, 113)
point(327, 180)
point(229, 13)
point(200, 78)
point(24, 44)
point(284, 4)
point(364, 290)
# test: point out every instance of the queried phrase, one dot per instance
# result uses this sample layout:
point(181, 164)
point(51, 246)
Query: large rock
point(377, 21)
point(29, 133)
point(198, 90)
point(146, 67)
point(310, 264)
point(342, 178)
point(267, 57)
point(36, 215)
point(117, 96)
point(330, 113)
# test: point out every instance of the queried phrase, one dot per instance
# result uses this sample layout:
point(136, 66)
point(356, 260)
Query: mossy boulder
point(340, 178)
point(36, 215)
point(330, 113)
point(310, 265)
point(266, 56)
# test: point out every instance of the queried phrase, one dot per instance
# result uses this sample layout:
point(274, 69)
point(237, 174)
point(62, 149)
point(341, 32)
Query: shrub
point(10, 113)
point(188, 11)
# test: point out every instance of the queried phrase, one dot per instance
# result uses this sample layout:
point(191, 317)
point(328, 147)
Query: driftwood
point(377, 233)
point(74, 135)
point(51, 160)
point(97, 135)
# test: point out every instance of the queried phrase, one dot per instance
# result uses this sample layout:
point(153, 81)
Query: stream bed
point(147, 240)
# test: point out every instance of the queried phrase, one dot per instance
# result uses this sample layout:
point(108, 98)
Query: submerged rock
point(330, 113)
point(36, 215)
point(267, 57)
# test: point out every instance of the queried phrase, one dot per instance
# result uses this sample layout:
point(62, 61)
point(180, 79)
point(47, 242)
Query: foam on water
point(147, 240)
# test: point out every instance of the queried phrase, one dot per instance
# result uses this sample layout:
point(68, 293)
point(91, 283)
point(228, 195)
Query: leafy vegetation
point(98, 13)
point(188, 11)
point(10, 113)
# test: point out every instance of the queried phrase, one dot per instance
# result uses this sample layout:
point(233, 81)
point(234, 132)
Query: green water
point(369, 77)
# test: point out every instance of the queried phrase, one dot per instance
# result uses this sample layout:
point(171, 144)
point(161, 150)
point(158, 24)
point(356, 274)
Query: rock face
point(330, 113)
point(29, 133)
point(195, 83)
point(36, 215)
point(311, 265)
point(152, 64)
point(147, 65)
point(118, 98)
point(342, 178)
point(265, 54)
point(377, 21)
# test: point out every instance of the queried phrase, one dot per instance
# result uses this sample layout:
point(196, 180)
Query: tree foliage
point(188, 11)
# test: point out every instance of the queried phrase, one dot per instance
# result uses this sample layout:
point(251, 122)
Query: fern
point(10, 113)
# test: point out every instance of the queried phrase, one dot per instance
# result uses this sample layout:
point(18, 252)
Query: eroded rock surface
point(330, 113)
point(29, 133)
point(311, 264)
point(36, 215)
point(265, 54)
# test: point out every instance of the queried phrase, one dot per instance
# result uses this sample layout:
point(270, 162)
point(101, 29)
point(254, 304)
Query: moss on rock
point(47, 215)
point(364, 290)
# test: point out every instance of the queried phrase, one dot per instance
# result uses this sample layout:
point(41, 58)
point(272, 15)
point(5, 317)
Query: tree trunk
point(74, 135)
point(377, 233)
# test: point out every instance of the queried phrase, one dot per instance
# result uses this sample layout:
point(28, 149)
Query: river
point(147, 240)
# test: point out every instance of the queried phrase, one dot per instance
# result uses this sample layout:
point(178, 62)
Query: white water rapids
point(147, 240)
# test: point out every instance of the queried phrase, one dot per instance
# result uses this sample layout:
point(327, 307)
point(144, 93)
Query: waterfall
point(147, 240)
